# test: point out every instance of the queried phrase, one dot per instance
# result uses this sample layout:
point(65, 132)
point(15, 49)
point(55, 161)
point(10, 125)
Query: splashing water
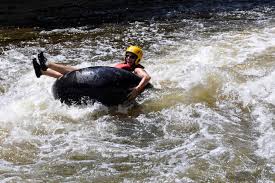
point(210, 117)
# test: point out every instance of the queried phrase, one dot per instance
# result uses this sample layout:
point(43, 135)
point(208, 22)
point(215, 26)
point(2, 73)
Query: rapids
point(210, 117)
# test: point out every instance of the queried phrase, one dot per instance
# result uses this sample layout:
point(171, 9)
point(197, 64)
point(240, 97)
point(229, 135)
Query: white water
point(210, 118)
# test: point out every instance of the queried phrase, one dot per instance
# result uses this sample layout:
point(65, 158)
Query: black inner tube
point(108, 85)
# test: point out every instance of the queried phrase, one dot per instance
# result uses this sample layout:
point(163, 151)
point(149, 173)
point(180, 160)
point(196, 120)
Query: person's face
point(130, 58)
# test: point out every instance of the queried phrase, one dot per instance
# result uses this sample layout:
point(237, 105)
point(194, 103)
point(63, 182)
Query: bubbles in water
point(209, 117)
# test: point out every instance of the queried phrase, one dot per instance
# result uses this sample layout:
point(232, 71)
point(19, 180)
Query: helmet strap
point(137, 61)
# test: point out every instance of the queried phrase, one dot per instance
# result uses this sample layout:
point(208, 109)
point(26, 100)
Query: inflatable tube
point(108, 85)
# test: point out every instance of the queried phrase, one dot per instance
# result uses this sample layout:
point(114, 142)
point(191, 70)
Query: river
point(209, 118)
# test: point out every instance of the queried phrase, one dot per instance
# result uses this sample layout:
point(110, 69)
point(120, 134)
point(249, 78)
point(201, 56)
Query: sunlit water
point(210, 117)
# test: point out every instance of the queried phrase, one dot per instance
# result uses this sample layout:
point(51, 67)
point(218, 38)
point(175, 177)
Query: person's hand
point(133, 94)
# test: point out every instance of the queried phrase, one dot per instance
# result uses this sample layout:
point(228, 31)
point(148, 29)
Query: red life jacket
point(128, 66)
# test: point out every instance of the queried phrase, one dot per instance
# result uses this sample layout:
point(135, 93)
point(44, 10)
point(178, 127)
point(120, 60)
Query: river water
point(209, 118)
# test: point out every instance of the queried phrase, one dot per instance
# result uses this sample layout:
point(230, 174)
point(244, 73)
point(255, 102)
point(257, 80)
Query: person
point(133, 56)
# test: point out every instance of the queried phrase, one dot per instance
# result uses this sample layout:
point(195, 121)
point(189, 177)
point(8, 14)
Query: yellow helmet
point(137, 51)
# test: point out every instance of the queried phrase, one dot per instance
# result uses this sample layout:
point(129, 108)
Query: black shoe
point(37, 68)
point(42, 61)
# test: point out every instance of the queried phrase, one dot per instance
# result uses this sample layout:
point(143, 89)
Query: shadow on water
point(141, 123)
point(57, 13)
point(206, 93)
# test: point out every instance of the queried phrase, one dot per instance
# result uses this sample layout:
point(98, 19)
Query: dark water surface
point(210, 117)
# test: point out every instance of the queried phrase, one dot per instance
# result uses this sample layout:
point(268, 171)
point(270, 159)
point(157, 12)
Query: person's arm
point(145, 78)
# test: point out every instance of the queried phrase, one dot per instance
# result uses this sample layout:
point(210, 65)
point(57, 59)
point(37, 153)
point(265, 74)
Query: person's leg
point(47, 72)
point(51, 73)
point(50, 69)
point(63, 69)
